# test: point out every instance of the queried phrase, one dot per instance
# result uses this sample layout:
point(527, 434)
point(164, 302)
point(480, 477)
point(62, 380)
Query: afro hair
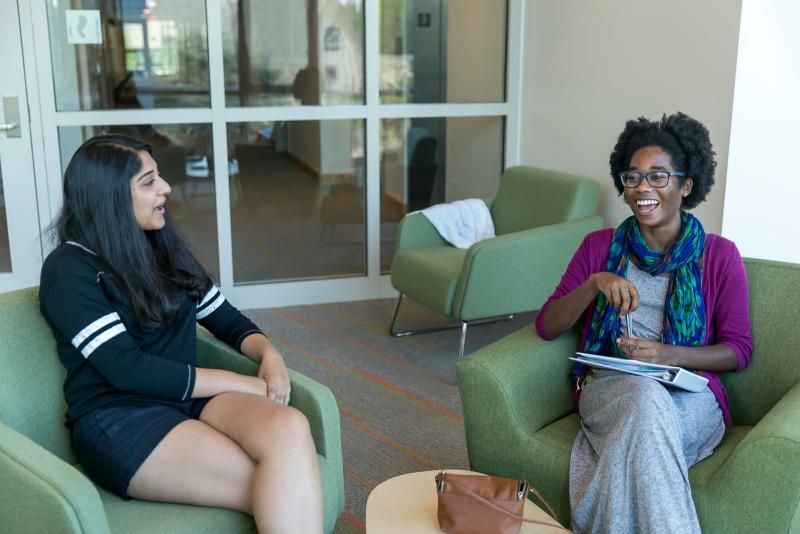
point(685, 140)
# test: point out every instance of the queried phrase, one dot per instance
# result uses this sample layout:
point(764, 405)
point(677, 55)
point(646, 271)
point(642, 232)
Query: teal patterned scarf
point(684, 308)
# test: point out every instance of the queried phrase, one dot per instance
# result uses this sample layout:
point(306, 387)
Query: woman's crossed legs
point(246, 453)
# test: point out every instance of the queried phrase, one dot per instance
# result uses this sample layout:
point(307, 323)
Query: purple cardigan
point(724, 288)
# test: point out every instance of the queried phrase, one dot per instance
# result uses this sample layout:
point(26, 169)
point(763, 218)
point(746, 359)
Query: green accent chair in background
point(41, 488)
point(520, 419)
point(540, 217)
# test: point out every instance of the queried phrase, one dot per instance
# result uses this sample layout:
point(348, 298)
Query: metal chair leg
point(394, 315)
point(395, 333)
point(463, 339)
point(463, 325)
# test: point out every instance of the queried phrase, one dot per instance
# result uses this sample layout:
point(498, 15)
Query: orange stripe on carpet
point(354, 475)
point(363, 346)
point(414, 455)
point(352, 521)
point(448, 414)
point(374, 325)
point(309, 356)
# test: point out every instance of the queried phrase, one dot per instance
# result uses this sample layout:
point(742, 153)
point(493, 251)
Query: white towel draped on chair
point(462, 222)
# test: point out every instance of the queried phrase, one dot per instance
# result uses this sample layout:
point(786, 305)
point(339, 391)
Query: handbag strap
point(496, 508)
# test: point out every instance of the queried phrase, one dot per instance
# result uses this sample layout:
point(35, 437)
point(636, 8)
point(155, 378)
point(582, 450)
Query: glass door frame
point(272, 294)
point(19, 168)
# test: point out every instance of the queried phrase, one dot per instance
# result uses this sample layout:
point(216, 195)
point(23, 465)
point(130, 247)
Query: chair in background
point(520, 418)
point(540, 217)
point(43, 490)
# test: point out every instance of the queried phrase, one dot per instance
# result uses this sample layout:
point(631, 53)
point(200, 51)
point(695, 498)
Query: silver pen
point(629, 325)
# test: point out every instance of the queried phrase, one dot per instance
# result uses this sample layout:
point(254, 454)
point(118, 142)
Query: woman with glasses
point(685, 292)
point(123, 294)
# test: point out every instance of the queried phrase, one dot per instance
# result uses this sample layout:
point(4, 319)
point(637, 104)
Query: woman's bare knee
point(284, 431)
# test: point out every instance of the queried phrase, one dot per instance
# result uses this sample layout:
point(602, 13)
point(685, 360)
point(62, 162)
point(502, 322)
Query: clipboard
point(669, 375)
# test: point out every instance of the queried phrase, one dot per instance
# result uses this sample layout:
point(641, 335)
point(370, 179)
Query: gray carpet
point(398, 398)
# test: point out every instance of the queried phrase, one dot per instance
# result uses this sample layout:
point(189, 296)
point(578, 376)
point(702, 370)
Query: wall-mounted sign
point(83, 26)
point(424, 20)
point(332, 39)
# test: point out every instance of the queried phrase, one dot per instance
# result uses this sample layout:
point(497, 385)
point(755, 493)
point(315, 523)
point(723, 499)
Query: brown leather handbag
point(477, 504)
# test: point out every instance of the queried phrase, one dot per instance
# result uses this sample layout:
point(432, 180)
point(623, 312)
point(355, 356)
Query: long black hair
point(686, 141)
point(155, 268)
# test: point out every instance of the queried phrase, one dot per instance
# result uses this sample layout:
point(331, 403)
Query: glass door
point(20, 248)
point(295, 135)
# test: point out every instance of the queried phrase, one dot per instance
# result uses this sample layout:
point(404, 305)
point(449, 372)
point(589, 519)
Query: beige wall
point(474, 157)
point(475, 73)
point(475, 48)
point(678, 55)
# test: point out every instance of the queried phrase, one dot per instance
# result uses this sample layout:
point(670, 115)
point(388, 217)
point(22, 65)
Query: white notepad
point(666, 374)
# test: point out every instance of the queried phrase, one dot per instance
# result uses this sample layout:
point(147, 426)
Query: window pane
point(440, 51)
point(280, 52)
point(430, 161)
point(297, 201)
point(5, 252)
point(185, 159)
point(112, 54)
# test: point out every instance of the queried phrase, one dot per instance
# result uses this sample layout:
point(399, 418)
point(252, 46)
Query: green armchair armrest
point(757, 489)
point(535, 258)
point(417, 231)
point(315, 400)
point(518, 411)
point(528, 381)
point(42, 493)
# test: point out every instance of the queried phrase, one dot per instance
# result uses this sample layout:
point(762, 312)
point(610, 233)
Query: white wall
point(763, 184)
point(588, 66)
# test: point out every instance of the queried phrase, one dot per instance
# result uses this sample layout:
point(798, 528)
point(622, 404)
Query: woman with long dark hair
point(123, 293)
point(686, 293)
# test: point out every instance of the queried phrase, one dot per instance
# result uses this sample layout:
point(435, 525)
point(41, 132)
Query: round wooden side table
point(407, 503)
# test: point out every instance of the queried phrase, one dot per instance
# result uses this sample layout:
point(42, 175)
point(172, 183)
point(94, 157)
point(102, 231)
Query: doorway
point(20, 247)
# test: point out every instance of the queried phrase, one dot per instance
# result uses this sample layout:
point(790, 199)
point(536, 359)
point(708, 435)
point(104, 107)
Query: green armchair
point(41, 488)
point(520, 420)
point(540, 216)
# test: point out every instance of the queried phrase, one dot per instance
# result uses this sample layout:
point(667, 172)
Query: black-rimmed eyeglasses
point(632, 179)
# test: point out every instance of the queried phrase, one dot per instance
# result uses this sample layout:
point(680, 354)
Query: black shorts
point(111, 443)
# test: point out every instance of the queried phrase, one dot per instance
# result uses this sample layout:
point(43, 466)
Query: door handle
point(11, 110)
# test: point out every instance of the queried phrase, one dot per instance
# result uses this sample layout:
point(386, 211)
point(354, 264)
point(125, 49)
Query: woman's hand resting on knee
point(271, 368)
point(273, 371)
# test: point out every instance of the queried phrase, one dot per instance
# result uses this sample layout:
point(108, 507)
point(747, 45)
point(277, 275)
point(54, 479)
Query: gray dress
point(630, 461)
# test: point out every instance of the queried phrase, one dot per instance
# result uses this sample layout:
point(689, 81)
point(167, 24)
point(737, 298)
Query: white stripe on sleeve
point(90, 330)
point(102, 338)
point(208, 310)
point(211, 293)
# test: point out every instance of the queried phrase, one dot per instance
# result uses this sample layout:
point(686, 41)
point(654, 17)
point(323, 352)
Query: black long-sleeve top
point(109, 357)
